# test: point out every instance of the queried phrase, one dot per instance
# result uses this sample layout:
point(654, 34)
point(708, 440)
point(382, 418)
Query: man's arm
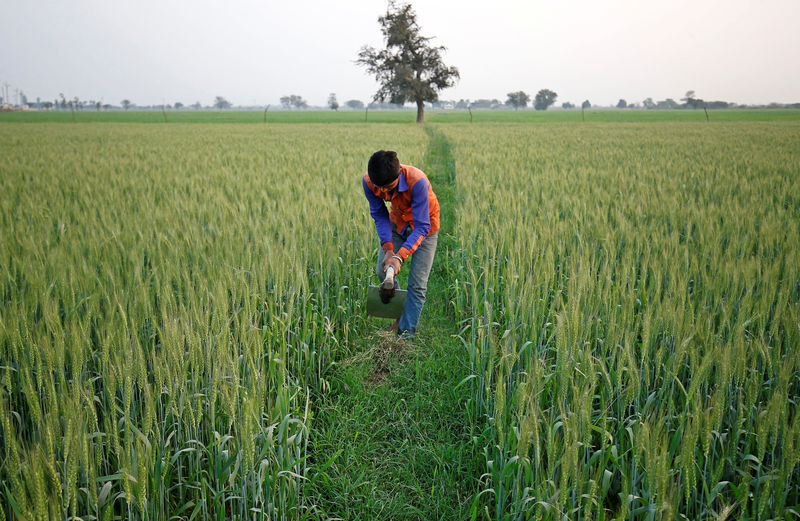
point(420, 211)
point(379, 213)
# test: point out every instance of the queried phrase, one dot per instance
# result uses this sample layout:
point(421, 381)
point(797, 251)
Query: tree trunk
point(420, 111)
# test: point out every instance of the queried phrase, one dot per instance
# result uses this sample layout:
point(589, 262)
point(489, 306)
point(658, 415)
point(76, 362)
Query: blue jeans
point(418, 273)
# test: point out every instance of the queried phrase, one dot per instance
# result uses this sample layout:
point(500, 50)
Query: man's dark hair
point(383, 167)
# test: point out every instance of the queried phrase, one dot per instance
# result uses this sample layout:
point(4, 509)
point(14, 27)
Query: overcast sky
point(254, 52)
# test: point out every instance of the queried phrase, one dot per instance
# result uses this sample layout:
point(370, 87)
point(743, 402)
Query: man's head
point(383, 167)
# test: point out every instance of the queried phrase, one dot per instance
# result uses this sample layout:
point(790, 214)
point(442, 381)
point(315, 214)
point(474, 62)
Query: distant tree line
point(543, 100)
point(689, 101)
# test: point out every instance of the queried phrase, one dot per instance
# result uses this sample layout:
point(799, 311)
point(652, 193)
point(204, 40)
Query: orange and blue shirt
point(412, 202)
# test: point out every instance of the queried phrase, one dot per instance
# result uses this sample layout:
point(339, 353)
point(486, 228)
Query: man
point(411, 226)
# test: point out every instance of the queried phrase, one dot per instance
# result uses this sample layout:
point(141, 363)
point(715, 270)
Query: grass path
point(391, 439)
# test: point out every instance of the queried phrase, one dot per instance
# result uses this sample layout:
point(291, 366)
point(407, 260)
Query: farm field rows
point(176, 299)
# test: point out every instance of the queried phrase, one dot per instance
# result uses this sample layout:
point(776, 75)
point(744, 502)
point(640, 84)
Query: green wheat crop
point(171, 300)
point(630, 298)
point(173, 297)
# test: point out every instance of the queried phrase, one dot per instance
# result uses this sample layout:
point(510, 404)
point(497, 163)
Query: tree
point(668, 103)
point(293, 101)
point(178, 105)
point(518, 99)
point(649, 104)
point(690, 101)
point(354, 104)
point(586, 104)
point(221, 103)
point(544, 98)
point(567, 105)
point(126, 103)
point(196, 105)
point(409, 68)
point(332, 103)
point(622, 104)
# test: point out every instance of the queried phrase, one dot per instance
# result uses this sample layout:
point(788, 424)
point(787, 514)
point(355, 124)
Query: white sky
point(254, 52)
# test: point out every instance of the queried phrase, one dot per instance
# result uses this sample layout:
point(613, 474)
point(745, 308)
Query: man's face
point(391, 186)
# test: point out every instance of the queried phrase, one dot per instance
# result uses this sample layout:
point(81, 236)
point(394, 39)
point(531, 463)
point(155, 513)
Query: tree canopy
point(221, 103)
point(544, 98)
point(332, 102)
point(691, 101)
point(293, 101)
point(518, 99)
point(409, 68)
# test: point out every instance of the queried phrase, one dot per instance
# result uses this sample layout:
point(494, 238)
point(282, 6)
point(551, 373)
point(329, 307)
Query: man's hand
point(393, 260)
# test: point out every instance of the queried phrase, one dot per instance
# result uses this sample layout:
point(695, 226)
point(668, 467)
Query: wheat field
point(176, 299)
point(171, 300)
point(631, 308)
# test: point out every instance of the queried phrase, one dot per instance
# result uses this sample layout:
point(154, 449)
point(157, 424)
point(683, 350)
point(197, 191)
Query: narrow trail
point(391, 440)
